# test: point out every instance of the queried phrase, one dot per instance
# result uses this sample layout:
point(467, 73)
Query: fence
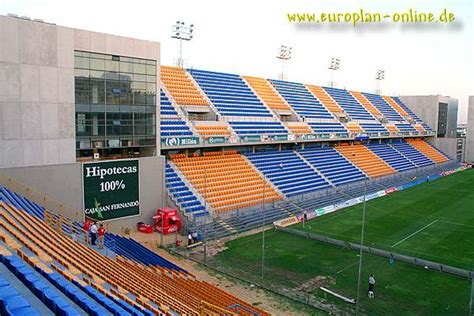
point(382, 253)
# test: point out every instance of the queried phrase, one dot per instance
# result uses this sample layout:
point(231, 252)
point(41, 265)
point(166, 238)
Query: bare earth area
point(267, 301)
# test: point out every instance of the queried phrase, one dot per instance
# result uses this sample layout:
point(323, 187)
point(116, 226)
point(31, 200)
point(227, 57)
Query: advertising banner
point(179, 141)
point(111, 189)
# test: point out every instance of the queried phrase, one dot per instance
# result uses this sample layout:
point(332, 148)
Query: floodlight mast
point(380, 75)
point(182, 32)
point(284, 54)
point(334, 65)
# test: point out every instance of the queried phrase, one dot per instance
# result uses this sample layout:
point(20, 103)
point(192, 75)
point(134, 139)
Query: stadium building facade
point(69, 94)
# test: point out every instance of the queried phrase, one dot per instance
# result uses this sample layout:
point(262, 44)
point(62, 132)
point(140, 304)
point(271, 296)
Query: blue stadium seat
point(412, 154)
point(386, 109)
point(301, 99)
point(182, 195)
point(328, 127)
point(332, 165)
point(391, 156)
point(350, 104)
point(290, 174)
point(243, 128)
point(229, 94)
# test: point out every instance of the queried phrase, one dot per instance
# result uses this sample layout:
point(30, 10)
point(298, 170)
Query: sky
point(243, 37)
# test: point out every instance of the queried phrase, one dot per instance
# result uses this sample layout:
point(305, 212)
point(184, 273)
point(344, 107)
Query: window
point(115, 101)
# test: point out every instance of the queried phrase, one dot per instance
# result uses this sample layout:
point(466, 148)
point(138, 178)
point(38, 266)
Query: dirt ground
point(272, 303)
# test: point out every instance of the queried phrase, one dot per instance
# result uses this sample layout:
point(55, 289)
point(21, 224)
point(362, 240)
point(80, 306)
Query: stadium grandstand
point(282, 144)
point(120, 138)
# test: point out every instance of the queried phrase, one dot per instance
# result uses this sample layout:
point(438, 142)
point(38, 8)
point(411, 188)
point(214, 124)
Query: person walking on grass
point(372, 286)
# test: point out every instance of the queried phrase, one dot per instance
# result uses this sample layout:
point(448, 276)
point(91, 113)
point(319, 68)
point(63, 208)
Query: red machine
point(167, 220)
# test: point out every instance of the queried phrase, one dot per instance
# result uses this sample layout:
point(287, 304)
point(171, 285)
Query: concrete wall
point(447, 145)
point(426, 108)
point(62, 184)
point(470, 131)
point(37, 111)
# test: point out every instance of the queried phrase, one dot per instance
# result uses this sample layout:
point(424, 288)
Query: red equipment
point(167, 220)
point(144, 228)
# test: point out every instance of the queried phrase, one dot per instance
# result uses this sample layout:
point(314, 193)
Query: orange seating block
point(325, 99)
point(396, 106)
point(266, 92)
point(366, 160)
point(181, 87)
point(428, 150)
point(298, 128)
point(366, 103)
point(226, 180)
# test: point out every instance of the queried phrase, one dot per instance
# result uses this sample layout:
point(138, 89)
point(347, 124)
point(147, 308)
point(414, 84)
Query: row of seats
point(334, 166)
point(214, 129)
point(301, 100)
point(226, 180)
point(385, 108)
point(298, 128)
point(229, 94)
point(428, 150)
point(243, 128)
point(266, 93)
point(132, 288)
point(366, 103)
point(290, 174)
point(325, 99)
point(181, 88)
point(232, 95)
point(350, 105)
point(182, 194)
point(366, 160)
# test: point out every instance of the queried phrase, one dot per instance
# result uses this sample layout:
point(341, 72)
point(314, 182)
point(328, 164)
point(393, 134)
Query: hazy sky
point(243, 37)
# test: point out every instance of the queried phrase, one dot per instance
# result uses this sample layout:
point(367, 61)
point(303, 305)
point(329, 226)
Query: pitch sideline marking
point(453, 223)
point(413, 234)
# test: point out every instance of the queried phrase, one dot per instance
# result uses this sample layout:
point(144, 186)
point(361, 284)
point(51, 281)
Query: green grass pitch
point(433, 221)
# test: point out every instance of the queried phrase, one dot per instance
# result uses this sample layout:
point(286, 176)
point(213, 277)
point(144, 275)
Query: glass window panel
point(84, 73)
point(151, 70)
point(97, 74)
point(97, 64)
point(97, 91)
point(139, 77)
point(81, 62)
point(151, 79)
point(97, 56)
point(126, 67)
point(139, 69)
point(112, 65)
point(151, 88)
point(112, 76)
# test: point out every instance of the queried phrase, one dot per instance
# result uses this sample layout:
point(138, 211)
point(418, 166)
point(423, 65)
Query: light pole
point(334, 65)
point(379, 77)
point(284, 54)
point(263, 225)
point(361, 246)
point(205, 222)
point(181, 31)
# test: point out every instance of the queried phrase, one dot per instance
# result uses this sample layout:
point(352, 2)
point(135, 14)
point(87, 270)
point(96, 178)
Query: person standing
point(87, 226)
point(195, 237)
point(93, 231)
point(190, 239)
point(305, 216)
point(101, 233)
point(371, 286)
